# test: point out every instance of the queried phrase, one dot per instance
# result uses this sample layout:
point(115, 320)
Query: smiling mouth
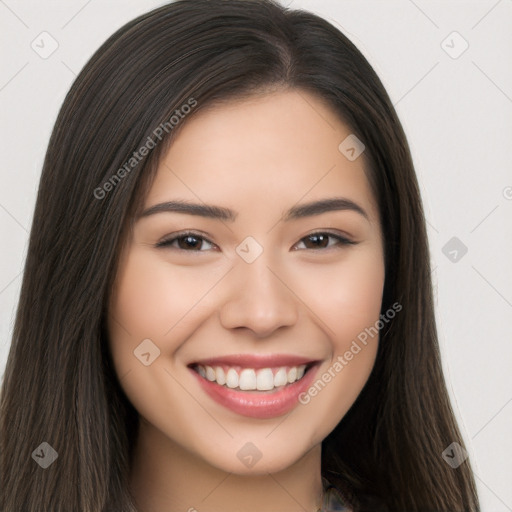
point(260, 386)
point(239, 378)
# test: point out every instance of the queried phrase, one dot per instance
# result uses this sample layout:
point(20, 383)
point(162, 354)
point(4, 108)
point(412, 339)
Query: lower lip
point(258, 405)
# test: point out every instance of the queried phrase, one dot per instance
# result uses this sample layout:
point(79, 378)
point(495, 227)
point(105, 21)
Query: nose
point(259, 299)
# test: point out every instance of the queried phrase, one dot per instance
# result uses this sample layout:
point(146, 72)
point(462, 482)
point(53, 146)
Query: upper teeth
point(263, 379)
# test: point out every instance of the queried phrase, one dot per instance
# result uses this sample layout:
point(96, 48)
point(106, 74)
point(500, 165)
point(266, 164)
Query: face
point(240, 296)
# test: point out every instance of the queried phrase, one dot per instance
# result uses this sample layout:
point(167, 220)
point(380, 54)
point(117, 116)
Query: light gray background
point(457, 113)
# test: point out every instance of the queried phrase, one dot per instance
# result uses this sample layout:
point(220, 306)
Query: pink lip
point(258, 404)
point(256, 360)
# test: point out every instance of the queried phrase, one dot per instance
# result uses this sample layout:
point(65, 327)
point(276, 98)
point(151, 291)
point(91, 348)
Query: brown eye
point(321, 240)
point(190, 242)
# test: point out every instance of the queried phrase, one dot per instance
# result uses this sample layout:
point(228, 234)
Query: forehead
point(274, 149)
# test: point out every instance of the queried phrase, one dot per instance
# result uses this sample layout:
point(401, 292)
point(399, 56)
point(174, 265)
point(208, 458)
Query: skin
point(258, 157)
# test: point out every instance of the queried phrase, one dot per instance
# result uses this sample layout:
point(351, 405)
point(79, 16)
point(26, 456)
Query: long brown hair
point(59, 385)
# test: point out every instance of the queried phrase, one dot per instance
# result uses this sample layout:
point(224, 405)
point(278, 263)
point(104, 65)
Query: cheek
point(152, 297)
point(345, 296)
point(152, 300)
point(347, 302)
point(161, 302)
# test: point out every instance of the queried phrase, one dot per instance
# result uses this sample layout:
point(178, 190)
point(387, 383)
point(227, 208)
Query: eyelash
point(166, 243)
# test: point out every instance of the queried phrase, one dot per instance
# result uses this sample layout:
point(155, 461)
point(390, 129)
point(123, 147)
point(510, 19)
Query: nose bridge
point(258, 298)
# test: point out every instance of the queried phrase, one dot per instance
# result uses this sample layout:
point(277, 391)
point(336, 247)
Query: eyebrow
point(221, 213)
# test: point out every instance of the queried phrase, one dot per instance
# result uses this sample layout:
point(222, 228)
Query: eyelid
point(341, 238)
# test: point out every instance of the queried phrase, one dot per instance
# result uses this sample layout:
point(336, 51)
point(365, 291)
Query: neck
point(165, 477)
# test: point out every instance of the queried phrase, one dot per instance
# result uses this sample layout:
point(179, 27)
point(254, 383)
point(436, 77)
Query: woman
point(227, 302)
